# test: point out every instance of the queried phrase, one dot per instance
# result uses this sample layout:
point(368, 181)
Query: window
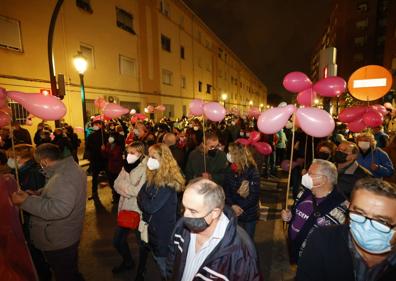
point(362, 7)
point(87, 51)
point(10, 34)
point(183, 82)
point(184, 109)
point(127, 66)
point(166, 77)
point(199, 86)
point(169, 110)
point(362, 24)
point(208, 88)
point(220, 53)
point(124, 20)
point(165, 43)
point(182, 52)
point(164, 8)
point(85, 5)
point(19, 113)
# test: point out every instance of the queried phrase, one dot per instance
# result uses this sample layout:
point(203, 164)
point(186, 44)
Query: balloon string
point(290, 167)
point(305, 152)
point(204, 142)
point(313, 149)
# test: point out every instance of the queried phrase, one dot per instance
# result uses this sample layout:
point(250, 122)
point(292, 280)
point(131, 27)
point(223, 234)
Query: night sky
point(272, 37)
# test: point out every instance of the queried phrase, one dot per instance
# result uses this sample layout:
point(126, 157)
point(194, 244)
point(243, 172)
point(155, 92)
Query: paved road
point(97, 256)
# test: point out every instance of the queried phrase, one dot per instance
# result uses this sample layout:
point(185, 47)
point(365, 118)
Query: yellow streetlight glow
point(261, 105)
point(251, 102)
point(224, 96)
point(80, 64)
point(316, 101)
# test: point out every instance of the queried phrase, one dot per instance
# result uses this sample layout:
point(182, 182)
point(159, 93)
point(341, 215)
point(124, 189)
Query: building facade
point(140, 52)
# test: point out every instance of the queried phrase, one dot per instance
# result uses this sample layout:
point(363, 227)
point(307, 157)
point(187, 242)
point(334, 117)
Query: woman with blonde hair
point(158, 201)
point(128, 184)
point(242, 186)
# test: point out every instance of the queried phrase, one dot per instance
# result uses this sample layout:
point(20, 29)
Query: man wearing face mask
point(320, 204)
point(349, 170)
point(373, 158)
point(364, 249)
point(57, 211)
point(216, 160)
point(207, 243)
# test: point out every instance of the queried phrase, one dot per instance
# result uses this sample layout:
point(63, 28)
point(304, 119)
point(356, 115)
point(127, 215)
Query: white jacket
point(129, 185)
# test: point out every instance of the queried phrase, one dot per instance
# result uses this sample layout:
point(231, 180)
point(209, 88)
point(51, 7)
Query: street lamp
point(250, 102)
point(224, 97)
point(81, 65)
point(261, 106)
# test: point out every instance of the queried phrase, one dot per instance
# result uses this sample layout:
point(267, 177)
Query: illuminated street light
point(250, 102)
point(224, 97)
point(316, 101)
point(81, 65)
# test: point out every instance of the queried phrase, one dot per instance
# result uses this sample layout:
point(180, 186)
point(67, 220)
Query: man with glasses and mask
point(216, 160)
point(319, 204)
point(207, 242)
point(364, 249)
point(349, 170)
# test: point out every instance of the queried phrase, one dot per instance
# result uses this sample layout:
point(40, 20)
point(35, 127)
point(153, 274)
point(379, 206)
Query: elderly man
point(179, 155)
point(373, 158)
point(349, 170)
point(363, 250)
point(320, 204)
point(57, 211)
point(207, 242)
point(216, 160)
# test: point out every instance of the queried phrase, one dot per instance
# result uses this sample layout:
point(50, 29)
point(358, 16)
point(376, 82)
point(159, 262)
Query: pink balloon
point(160, 108)
point(3, 102)
point(357, 126)
point(243, 141)
point(373, 118)
point(315, 122)
point(379, 108)
point(285, 165)
point(5, 119)
point(214, 111)
point(296, 82)
point(100, 102)
point(150, 108)
point(44, 107)
point(196, 107)
point(274, 119)
point(254, 112)
point(330, 86)
point(113, 110)
point(351, 114)
point(388, 105)
point(306, 97)
point(254, 136)
point(263, 148)
point(140, 116)
point(3, 93)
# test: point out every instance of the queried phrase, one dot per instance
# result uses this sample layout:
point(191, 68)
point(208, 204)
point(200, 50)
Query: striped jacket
point(233, 259)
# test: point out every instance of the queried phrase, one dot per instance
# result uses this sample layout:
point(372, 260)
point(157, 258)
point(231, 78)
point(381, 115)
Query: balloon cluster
point(211, 110)
point(253, 140)
point(359, 118)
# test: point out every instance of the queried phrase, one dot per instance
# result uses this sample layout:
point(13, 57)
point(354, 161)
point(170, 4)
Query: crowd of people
point(194, 192)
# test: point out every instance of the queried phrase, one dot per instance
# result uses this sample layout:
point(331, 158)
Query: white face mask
point(229, 157)
point(153, 164)
point(122, 133)
point(111, 139)
point(364, 145)
point(196, 128)
point(307, 181)
point(95, 128)
point(132, 158)
point(11, 163)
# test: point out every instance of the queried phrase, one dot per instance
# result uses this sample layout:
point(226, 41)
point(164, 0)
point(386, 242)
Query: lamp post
point(261, 106)
point(224, 97)
point(81, 65)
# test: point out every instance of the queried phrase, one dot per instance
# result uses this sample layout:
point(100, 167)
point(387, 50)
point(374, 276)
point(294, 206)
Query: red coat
point(113, 154)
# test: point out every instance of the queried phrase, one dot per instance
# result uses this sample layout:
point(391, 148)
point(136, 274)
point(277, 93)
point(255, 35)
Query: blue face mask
point(371, 239)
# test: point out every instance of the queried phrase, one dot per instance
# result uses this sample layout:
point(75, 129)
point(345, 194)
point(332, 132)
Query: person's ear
point(216, 213)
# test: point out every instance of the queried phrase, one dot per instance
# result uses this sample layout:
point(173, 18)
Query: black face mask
point(212, 152)
point(340, 157)
point(324, 155)
point(195, 224)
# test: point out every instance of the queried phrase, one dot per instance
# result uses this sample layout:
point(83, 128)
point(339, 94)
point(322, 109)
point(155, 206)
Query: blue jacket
point(250, 204)
point(159, 207)
point(233, 259)
point(381, 158)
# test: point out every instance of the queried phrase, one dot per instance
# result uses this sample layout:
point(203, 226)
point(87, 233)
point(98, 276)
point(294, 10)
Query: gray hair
point(212, 193)
point(377, 186)
point(328, 169)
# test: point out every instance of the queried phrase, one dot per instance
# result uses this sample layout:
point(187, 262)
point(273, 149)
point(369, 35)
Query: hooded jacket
point(233, 259)
point(58, 213)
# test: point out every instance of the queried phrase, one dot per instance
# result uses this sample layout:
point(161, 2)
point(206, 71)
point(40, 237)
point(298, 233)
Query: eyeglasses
point(381, 226)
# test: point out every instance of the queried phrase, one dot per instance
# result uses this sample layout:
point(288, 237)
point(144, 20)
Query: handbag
point(243, 190)
point(128, 219)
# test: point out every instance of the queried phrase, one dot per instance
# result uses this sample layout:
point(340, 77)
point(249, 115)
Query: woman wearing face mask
point(325, 151)
point(373, 158)
point(320, 204)
point(127, 185)
point(113, 154)
point(242, 187)
point(158, 201)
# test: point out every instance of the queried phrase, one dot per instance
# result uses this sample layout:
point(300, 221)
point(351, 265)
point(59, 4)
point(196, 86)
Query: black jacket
point(30, 176)
point(327, 257)
point(250, 204)
point(159, 207)
point(234, 258)
point(349, 176)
